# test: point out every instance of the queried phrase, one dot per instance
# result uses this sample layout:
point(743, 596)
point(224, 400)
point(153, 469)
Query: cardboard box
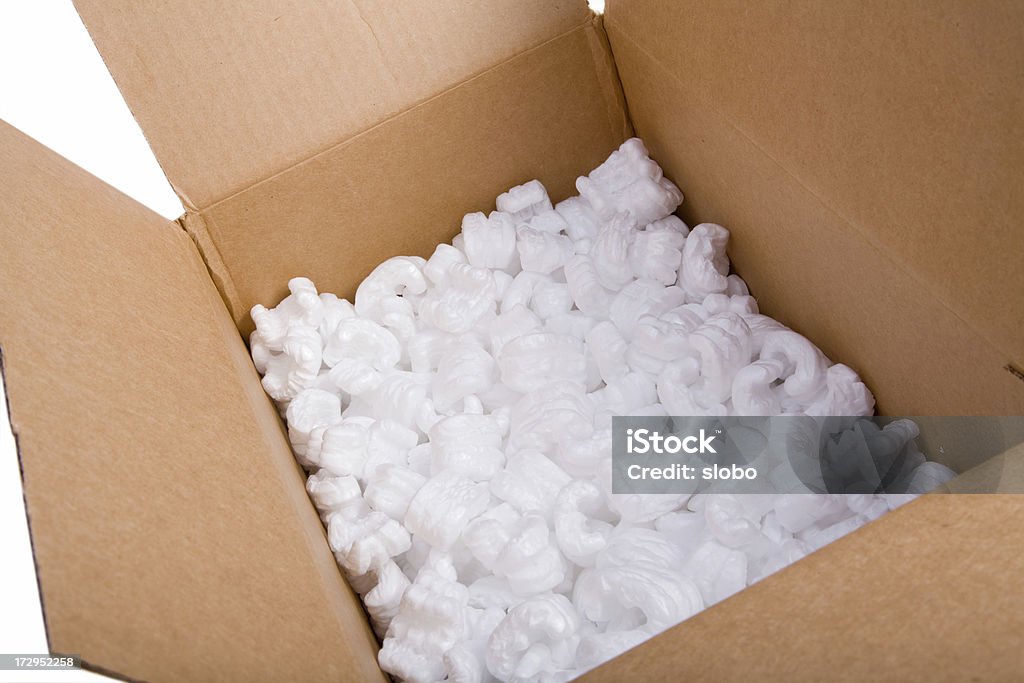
point(867, 157)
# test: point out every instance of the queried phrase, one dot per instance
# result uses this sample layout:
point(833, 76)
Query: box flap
point(869, 161)
point(229, 93)
point(403, 186)
point(172, 534)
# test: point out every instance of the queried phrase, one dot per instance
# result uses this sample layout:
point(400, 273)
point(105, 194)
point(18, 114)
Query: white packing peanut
point(455, 423)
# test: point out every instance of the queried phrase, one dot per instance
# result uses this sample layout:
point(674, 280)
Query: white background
point(55, 87)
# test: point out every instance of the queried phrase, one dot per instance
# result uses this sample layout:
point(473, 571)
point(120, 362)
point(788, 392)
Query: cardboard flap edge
point(231, 93)
point(131, 395)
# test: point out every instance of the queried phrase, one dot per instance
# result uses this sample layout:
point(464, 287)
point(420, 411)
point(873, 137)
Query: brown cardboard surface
point(1001, 474)
point(171, 530)
point(905, 120)
point(850, 186)
point(230, 92)
point(403, 186)
point(930, 591)
point(791, 171)
point(965, 445)
point(194, 224)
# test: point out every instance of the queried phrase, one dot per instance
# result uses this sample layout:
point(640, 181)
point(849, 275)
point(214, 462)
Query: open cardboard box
point(868, 159)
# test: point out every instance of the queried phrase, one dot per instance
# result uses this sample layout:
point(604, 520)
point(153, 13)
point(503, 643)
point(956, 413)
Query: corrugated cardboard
point(230, 93)
point(171, 530)
point(340, 160)
point(396, 189)
point(822, 135)
point(868, 159)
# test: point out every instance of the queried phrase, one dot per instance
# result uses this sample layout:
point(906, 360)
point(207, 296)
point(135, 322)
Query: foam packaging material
point(456, 425)
point(870, 189)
